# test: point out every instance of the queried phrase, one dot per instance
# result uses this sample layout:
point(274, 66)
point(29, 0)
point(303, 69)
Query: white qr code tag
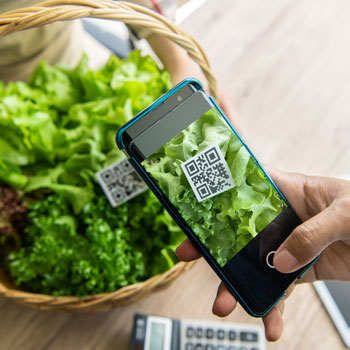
point(208, 173)
point(120, 182)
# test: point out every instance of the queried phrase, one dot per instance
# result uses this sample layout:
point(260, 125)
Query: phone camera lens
point(179, 98)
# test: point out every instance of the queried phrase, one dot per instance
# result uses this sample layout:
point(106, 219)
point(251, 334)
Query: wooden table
point(285, 64)
point(307, 325)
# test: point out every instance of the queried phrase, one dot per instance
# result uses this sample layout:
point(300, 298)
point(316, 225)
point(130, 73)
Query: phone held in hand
point(203, 173)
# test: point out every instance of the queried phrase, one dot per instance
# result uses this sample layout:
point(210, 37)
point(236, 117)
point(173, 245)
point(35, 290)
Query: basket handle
point(53, 11)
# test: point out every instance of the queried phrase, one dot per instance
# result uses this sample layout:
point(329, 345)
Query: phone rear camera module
point(179, 98)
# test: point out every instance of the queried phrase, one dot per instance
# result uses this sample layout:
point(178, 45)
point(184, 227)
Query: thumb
point(308, 240)
point(292, 186)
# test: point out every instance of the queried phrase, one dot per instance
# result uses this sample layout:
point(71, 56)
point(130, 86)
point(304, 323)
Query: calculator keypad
point(220, 337)
point(200, 346)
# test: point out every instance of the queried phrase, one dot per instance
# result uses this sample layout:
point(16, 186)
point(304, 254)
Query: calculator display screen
point(157, 336)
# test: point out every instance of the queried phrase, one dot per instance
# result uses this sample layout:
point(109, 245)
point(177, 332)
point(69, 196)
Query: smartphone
point(203, 173)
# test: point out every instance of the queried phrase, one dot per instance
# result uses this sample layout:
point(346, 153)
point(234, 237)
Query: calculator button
point(189, 332)
point(189, 346)
point(243, 348)
point(232, 335)
point(220, 347)
point(232, 347)
point(199, 346)
point(209, 333)
point(199, 332)
point(249, 336)
point(254, 348)
point(209, 347)
point(220, 334)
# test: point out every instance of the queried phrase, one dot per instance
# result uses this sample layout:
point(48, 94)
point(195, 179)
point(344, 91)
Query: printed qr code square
point(208, 174)
point(120, 182)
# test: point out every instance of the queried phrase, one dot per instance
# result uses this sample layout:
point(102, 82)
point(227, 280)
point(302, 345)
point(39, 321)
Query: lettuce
point(226, 222)
point(59, 129)
point(55, 133)
point(99, 251)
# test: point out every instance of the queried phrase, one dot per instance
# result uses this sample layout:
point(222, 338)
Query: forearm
point(175, 59)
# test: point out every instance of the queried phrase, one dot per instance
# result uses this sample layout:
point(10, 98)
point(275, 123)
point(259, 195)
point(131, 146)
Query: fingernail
point(285, 261)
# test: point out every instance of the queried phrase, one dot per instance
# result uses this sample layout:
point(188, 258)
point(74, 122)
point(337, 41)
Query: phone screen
point(215, 184)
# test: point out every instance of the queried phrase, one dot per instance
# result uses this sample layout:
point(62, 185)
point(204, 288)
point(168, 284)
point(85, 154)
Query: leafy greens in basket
point(56, 132)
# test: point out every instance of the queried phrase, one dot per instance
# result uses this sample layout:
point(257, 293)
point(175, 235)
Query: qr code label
point(208, 173)
point(120, 182)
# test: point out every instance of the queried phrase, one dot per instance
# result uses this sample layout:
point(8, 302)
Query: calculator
point(162, 333)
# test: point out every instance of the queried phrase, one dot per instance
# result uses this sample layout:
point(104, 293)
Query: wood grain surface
point(284, 65)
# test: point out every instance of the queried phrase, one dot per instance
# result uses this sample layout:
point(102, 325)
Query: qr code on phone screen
point(208, 173)
point(120, 182)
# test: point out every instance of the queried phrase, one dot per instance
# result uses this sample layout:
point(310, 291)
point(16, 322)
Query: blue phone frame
point(176, 216)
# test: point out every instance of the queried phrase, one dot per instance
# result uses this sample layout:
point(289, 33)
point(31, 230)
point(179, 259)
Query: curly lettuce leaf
point(99, 251)
point(59, 129)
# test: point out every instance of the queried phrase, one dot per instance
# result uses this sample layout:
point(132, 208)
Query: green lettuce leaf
point(55, 133)
point(58, 130)
point(99, 251)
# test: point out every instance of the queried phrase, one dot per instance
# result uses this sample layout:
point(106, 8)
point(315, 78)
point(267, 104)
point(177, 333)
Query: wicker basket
point(52, 11)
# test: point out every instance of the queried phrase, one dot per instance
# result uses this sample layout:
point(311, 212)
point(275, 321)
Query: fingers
point(186, 251)
point(309, 239)
point(310, 276)
point(322, 203)
point(292, 186)
point(284, 180)
point(224, 302)
point(273, 323)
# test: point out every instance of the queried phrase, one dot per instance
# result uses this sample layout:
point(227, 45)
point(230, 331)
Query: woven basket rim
point(88, 301)
point(89, 296)
point(64, 10)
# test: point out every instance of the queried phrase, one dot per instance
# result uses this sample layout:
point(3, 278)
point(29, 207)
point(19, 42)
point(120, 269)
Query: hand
point(324, 206)
point(225, 303)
